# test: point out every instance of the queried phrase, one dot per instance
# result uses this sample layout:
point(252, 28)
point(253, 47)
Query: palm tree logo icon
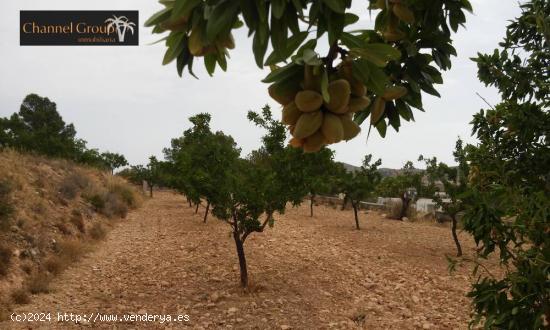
point(122, 24)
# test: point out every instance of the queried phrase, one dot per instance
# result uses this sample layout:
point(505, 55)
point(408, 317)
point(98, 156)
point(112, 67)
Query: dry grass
point(44, 200)
point(71, 250)
point(39, 283)
point(73, 184)
point(78, 221)
point(20, 297)
point(5, 260)
point(6, 208)
point(97, 232)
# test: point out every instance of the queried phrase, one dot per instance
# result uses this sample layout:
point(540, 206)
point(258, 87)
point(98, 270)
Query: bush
point(54, 265)
point(70, 250)
point(115, 206)
point(20, 297)
point(78, 221)
point(125, 193)
point(6, 208)
point(62, 227)
point(72, 184)
point(97, 200)
point(97, 232)
point(5, 260)
point(39, 283)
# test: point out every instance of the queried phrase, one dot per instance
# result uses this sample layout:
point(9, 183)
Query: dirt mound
point(306, 273)
point(49, 210)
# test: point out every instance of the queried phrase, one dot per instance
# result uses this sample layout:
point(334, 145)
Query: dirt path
point(306, 273)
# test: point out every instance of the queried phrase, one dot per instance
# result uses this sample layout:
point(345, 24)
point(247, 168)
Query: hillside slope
point(50, 212)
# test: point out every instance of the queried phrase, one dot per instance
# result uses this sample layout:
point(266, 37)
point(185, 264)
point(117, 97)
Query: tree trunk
point(311, 205)
point(206, 213)
point(197, 208)
point(344, 202)
point(189, 201)
point(242, 259)
point(455, 237)
point(354, 204)
point(404, 206)
point(151, 190)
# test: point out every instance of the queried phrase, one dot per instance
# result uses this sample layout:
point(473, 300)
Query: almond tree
point(455, 182)
point(359, 185)
point(202, 159)
point(408, 47)
point(510, 182)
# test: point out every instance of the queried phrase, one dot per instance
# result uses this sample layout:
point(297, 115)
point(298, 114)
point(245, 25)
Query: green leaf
point(377, 53)
point(176, 43)
point(361, 70)
point(378, 80)
point(210, 63)
point(352, 41)
point(293, 43)
point(324, 86)
point(221, 20)
point(311, 57)
point(350, 19)
point(259, 46)
point(158, 17)
point(283, 73)
point(278, 8)
point(184, 7)
point(381, 126)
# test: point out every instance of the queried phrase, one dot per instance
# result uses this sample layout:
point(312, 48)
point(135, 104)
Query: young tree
point(455, 182)
point(390, 64)
point(360, 185)
point(201, 158)
point(318, 171)
point(113, 160)
point(510, 194)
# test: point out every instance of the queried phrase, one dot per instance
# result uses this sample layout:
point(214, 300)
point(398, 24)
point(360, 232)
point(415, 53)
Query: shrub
point(71, 250)
point(97, 232)
point(54, 265)
point(115, 206)
point(72, 184)
point(39, 283)
point(78, 221)
point(20, 297)
point(6, 208)
point(63, 228)
point(5, 260)
point(125, 193)
point(97, 200)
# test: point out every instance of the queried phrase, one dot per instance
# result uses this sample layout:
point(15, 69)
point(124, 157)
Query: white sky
point(121, 99)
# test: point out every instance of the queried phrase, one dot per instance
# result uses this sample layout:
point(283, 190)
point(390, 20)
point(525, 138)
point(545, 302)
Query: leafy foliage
point(509, 176)
point(361, 184)
point(113, 160)
point(409, 45)
point(455, 183)
point(38, 127)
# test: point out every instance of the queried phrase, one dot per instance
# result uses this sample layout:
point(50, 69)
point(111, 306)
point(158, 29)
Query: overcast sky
point(121, 99)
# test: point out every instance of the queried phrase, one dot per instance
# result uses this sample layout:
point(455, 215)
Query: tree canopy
point(510, 187)
point(394, 63)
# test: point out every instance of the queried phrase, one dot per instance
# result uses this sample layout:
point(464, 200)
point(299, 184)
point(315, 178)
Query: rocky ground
point(306, 273)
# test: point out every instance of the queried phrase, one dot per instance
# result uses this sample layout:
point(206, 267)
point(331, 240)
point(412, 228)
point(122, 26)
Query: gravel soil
point(305, 273)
